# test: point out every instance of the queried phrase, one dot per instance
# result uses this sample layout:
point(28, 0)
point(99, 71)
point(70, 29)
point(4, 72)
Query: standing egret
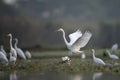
point(77, 40)
point(2, 49)
point(13, 53)
point(97, 61)
point(28, 54)
point(114, 47)
point(19, 51)
point(112, 56)
point(3, 57)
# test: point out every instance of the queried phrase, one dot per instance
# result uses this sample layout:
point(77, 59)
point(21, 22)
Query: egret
point(3, 57)
point(19, 51)
point(114, 47)
point(83, 56)
point(12, 59)
point(97, 61)
point(112, 56)
point(28, 54)
point(2, 49)
point(13, 53)
point(77, 40)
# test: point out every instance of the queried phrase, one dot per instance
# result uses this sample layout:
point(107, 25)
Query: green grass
point(51, 61)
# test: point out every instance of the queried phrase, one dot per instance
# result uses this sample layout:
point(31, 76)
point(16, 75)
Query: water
point(57, 76)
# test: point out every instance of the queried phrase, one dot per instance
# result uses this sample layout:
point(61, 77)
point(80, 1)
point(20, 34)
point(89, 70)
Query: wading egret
point(13, 54)
point(19, 51)
point(2, 49)
point(97, 61)
point(3, 57)
point(77, 40)
point(28, 54)
point(112, 56)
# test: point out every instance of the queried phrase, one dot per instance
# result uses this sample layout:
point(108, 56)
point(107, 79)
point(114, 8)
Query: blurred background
point(34, 22)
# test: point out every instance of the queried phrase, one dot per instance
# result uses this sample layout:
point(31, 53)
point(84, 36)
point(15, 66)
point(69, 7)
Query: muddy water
point(58, 76)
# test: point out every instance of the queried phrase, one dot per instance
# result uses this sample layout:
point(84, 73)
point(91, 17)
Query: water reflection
point(15, 75)
point(97, 75)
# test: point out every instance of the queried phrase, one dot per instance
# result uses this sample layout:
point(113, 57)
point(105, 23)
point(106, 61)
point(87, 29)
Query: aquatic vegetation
point(51, 61)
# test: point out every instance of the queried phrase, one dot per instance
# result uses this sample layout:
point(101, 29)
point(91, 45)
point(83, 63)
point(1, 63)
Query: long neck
point(11, 42)
point(66, 42)
point(93, 54)
point(16, 42)
point(109, 53)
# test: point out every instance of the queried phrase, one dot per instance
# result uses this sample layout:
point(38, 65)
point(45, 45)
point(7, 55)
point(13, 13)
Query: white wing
point(74, 36)
point(20, 53)
point(82, 41)
point(3, 57)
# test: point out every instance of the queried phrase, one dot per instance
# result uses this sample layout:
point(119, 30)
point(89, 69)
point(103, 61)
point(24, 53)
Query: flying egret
point(28, 54)
point(2, 49)
point(77, 40)
point(13, 53)
point(97, 61)
point(3, 57)
point(112, 56)
point(19, 51)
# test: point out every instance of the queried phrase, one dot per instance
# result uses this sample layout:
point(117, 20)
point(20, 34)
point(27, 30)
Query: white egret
point(12, 59)
point(13, 53)
point(19, 51)
point(83, 56)
point(114, 47)
point(97, 61)
point(77, 40)
point(112, 56)
point(28, 54)
point(3, 57)
point(2, 49)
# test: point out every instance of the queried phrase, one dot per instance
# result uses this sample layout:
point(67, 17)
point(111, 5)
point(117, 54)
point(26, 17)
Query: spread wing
point(74, 36)
point(82, 41)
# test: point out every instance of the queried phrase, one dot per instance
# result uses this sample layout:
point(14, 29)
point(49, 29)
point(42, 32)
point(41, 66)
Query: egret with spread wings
point(77, 40)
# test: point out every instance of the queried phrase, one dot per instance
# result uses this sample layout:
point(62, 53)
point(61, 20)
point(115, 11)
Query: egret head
point(60, 29)
point(9, 34)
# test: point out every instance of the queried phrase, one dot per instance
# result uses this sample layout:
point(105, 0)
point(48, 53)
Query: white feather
point(77, 40)
point(112, 56)
point(3, 57)
point(19, 51)
point(97, 61)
